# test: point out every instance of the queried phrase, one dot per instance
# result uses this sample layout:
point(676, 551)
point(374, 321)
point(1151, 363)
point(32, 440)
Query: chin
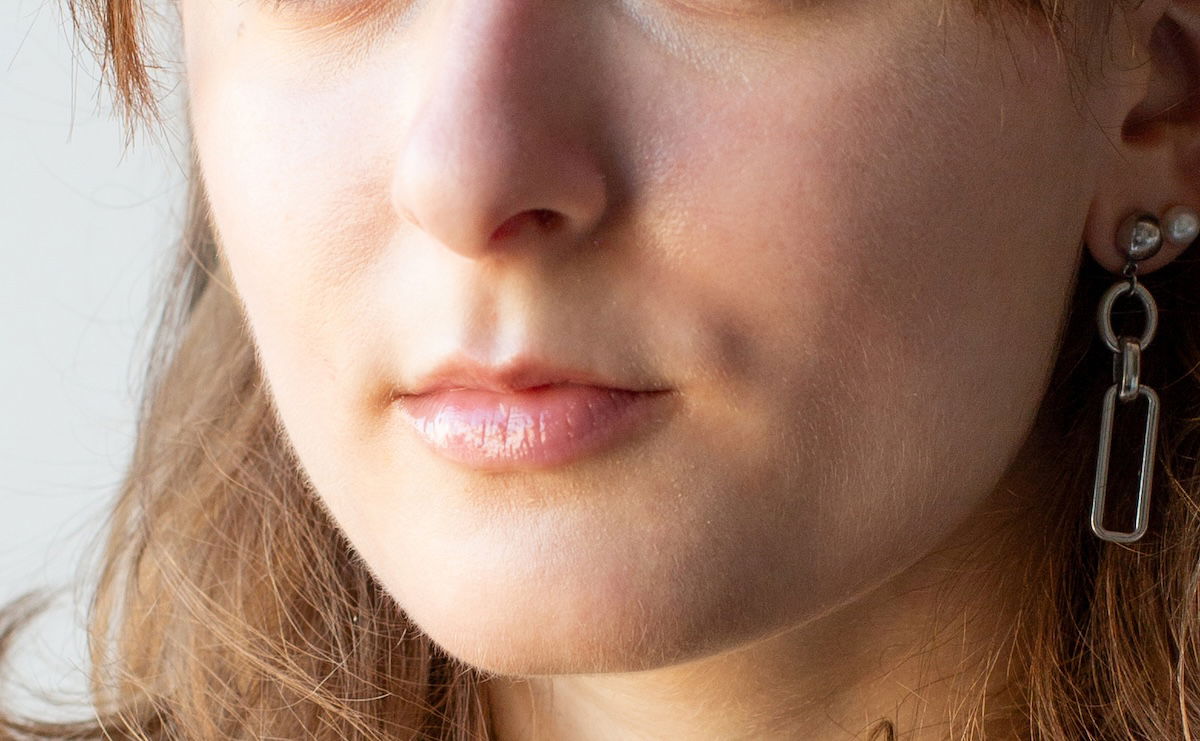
point(586, 628)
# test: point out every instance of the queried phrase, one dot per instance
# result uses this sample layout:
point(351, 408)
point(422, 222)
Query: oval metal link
point(1104, 314)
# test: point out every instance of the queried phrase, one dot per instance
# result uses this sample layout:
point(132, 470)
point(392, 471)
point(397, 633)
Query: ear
point(1154, 163)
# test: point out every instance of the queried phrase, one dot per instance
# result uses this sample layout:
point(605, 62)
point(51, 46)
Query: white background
point(86, 229)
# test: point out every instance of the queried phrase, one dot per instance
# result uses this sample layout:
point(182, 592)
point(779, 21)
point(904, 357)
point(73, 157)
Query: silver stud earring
point(1139, 237)
point(1181, 225)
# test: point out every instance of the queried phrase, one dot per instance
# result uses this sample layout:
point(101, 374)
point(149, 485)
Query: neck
point(927, 651)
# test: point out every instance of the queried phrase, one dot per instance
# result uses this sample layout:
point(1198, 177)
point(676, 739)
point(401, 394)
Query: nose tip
point(501, 145)
point(473, 191)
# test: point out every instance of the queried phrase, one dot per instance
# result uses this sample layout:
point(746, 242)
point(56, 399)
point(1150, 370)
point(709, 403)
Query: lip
point(519, 374)
point(533, 428)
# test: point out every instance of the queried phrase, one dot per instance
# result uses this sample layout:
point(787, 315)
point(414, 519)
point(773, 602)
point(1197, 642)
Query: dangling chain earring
point(1139, 237)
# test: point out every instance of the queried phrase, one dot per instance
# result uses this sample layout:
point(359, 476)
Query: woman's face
point(842, 234)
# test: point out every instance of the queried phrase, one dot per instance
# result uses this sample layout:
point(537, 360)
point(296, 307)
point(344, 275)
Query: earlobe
point(1153, 166)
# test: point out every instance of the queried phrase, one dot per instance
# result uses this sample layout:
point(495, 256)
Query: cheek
point(881, 254)
point(297, 180)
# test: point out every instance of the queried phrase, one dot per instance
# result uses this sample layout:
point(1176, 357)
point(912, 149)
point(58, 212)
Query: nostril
point(547, 220)
point(544, 219)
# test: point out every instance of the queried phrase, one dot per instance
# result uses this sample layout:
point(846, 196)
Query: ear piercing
point(1139, 237)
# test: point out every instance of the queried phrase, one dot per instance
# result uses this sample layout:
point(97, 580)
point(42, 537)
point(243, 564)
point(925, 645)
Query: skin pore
point(844, 234)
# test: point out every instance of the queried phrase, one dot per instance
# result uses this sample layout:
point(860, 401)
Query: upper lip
point(520, 373)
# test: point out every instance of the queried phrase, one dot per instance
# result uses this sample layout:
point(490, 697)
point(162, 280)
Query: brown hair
point(229, 605)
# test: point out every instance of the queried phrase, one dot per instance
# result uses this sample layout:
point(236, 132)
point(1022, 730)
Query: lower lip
point(535, 428)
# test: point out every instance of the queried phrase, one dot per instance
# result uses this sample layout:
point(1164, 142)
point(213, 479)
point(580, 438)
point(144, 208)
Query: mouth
point(532, 428)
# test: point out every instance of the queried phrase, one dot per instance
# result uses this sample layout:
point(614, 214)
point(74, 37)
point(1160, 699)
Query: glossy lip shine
point(532, 428)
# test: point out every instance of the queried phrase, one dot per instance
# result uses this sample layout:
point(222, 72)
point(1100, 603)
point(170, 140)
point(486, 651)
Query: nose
point(502, 144)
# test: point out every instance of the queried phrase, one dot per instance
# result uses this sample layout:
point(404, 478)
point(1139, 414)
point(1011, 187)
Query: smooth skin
point(844, 233)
